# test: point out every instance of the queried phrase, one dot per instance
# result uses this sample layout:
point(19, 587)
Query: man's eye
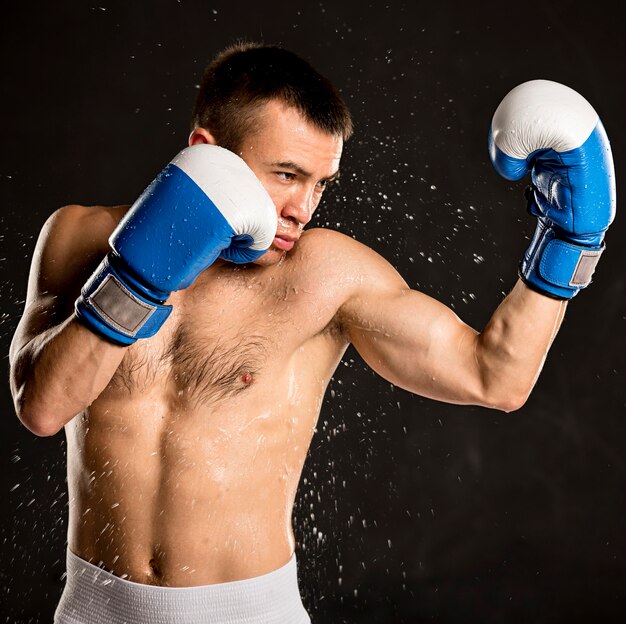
point(285, 175)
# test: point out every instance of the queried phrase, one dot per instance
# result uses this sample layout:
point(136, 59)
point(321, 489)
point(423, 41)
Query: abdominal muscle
point(175, 494)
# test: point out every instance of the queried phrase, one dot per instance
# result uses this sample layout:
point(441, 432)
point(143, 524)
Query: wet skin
point(185, 468)
point(185, 450)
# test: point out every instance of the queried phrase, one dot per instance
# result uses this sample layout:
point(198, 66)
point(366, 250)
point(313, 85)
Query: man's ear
point(201, 135)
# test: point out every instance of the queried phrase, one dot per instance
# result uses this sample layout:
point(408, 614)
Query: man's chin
point(271, 257)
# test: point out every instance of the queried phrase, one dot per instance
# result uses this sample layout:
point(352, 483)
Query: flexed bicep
point(415, 342)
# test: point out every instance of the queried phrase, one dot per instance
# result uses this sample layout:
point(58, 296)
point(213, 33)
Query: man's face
point(294, 161)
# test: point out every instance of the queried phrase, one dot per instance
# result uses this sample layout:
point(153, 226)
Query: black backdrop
point(409, 510)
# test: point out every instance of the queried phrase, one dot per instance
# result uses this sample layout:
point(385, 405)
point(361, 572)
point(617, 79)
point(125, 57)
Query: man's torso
point(184, 470)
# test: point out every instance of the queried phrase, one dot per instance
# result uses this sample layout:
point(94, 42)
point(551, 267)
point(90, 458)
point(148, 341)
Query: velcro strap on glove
point(111, 307)
point(565, 264)
point(557, 267)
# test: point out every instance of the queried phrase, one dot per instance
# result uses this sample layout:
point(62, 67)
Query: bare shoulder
point(79, 224)
point(331, 246)
point(326, 237)
point(74, 234)
point(71, 242)
point(346, 262)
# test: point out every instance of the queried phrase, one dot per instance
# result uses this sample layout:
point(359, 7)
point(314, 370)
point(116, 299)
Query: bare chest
point(222, 339)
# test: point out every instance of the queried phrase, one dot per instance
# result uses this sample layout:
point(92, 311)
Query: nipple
point(246, 378)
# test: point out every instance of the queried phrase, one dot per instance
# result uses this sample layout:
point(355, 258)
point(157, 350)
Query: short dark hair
point(245, 76)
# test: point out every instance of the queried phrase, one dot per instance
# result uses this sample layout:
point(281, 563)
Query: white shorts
point(94, 596)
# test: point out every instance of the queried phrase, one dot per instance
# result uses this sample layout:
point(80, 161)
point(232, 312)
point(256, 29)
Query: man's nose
point(299, 206)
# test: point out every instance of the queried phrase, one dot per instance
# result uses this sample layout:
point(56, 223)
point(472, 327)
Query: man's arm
point(57, 366)
point(421, 345)
point(550, 131)
point(60, 365)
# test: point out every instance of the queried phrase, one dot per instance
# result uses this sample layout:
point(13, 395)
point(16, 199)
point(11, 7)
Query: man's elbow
point(37, 420)
point(502, 396)
point(507, 401)
point(512, 405)
point(30, 408)
point(43, 428)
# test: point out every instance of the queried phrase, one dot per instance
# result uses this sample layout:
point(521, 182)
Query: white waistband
point(94, 596)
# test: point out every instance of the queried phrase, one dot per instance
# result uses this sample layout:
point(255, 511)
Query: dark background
point(412, 511)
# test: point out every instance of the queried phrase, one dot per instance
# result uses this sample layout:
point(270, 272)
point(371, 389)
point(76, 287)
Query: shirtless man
point(186, 437)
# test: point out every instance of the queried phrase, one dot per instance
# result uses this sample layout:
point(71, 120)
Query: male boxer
point(185, 343)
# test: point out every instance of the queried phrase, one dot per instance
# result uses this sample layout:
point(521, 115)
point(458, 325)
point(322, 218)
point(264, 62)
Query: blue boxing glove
point(206, 203)
point(551, 131)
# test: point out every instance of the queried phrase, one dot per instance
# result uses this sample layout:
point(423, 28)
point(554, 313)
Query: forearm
point(59, 373)
point(551, 132)
point(511, 350)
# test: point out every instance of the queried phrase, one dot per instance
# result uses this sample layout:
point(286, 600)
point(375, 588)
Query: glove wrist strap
point(111, 307)
point(558, 267)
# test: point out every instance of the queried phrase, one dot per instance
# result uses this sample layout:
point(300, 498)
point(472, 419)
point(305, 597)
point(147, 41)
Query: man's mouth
point(285, 243)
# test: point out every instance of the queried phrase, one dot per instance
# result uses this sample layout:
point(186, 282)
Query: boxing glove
point(206, 203)
point(551, 131)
